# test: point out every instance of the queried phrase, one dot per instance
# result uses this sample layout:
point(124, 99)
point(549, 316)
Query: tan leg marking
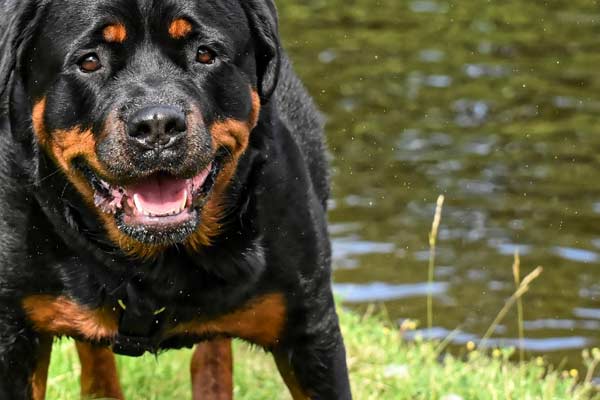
point(212, 371)
point(287, 373)
point(99, 376)
point(39, 379)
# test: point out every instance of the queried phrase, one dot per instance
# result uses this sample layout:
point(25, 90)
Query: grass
point(382, 366)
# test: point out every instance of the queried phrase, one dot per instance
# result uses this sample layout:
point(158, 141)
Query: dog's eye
point(90, 63)
point(205, 55)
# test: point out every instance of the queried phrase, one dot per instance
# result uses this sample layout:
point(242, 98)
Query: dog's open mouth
point(156, 199)
point(160, 208)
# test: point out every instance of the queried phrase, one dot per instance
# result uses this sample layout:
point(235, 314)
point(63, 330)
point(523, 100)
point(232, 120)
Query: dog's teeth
point(138, 204)
point(184, 202)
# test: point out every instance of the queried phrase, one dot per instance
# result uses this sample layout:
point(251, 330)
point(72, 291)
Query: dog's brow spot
point(116, 33)
point(180, 28)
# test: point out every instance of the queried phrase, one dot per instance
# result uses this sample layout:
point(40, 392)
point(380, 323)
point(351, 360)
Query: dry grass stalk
point(517, 276)
point(432, 241)
point(521, 290)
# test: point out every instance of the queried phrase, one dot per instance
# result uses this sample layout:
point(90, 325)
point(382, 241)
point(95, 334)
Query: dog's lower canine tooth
point(138, 204)
point(184, 202)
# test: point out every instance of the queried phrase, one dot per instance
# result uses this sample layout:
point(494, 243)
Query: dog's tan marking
point(37, 118)
point(212, 370)
point(235, 136)
point(59, 316)
point(260, 322)
point(99, 377)
point(180, 28)
point(66, 145)
point(39, 378)
point(289, 377)
point(115, 33)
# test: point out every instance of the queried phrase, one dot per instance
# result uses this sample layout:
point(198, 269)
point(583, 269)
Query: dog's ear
point(262, 15)
point(16, 30)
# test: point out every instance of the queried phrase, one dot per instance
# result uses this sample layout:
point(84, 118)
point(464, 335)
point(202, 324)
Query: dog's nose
point(158, 126)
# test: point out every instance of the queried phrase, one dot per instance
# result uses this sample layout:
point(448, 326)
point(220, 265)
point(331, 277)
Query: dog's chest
point(259, 320)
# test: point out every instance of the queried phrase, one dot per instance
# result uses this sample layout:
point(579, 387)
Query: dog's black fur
point(272, 234)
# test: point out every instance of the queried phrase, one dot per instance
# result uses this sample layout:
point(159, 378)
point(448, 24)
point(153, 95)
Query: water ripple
point(380, 291)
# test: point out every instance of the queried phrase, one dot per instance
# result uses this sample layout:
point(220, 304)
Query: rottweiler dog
point(163, 184)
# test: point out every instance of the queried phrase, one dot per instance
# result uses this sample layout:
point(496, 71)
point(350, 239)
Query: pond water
point(496, 105)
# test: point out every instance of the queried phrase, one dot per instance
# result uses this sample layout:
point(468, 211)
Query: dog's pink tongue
point(159, 195)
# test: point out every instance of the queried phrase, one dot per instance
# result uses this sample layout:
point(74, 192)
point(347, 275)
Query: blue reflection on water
point(573, 254)
point(581, 312)
point(379, 291)
point(458, 337)
point(343, 248)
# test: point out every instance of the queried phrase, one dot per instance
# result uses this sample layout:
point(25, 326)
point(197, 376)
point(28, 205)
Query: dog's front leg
point(212, 370)
point(313, 362)
point(24, 357)
point(99, 377)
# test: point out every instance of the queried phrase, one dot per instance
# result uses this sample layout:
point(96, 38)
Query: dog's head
point(144, 105)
